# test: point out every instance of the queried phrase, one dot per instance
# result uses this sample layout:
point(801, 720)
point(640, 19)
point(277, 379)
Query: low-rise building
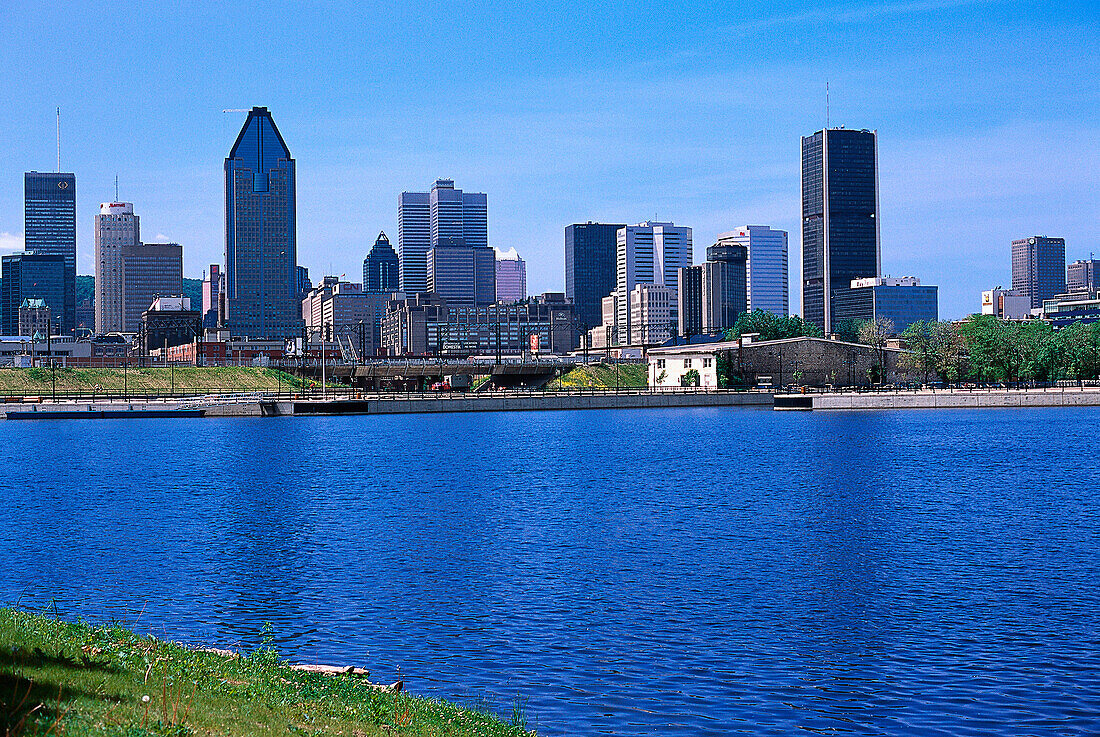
point(903, 301)
point(747, 361)
point(1007, 304)
point(426, 324)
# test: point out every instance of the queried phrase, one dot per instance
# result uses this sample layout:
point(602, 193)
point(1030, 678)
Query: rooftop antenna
point(59, 139)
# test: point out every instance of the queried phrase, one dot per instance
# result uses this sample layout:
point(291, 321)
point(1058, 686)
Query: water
point(621, 572)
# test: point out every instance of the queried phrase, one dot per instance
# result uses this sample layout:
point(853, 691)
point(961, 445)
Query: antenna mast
point(59, 139)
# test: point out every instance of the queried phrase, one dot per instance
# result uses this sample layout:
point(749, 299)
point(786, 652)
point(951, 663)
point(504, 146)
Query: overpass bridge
point(411, 374)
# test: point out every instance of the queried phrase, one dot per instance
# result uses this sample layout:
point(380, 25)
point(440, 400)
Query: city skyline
point(953, 132)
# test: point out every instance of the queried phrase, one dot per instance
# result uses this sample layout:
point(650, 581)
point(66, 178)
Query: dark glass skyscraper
point(590, 262)
point(261, 274)
point(49, 226)
point(381, 272)
point(31, 276)
point(840, 230)
point(1039, 268)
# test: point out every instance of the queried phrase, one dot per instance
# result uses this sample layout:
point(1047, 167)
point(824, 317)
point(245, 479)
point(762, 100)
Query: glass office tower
point(840, 230)
point(381, 267)
point(49, 226)
point(261, 274)
point(590, 269)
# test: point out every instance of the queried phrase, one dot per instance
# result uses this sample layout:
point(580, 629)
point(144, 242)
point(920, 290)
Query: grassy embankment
point(37, 381)
point(62, 678)
point(602, 376)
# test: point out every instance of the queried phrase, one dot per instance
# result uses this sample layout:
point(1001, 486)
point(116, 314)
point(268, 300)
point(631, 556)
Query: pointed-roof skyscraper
point(261, 256)
point(381, 272)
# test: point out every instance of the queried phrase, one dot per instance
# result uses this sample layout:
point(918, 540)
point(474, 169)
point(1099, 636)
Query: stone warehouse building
point(803, 361)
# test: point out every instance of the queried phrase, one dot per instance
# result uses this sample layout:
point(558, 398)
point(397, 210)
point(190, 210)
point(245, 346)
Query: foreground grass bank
point(40, 381)
point(62, 678)
point(604, 376)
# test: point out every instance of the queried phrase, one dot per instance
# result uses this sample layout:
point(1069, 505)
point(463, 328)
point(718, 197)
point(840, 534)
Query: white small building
point(1007, 304)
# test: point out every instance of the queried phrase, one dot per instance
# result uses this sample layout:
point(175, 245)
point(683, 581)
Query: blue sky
point(988, 116)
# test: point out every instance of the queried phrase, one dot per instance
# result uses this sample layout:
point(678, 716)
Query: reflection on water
point(625, 572)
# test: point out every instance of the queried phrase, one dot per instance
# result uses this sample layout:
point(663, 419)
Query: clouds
point(11, 241)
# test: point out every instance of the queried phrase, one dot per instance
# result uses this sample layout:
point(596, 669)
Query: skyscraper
point(1039, 268)
point(445, 217)
point(511, 276)
point(116, 228)
point(29, 275)
point(1083, 276)
point(840, 228)
point(766, 280)
point(649, 253)
point(149, 270)
point(261, 275)
point(49, 228)
point(381, 267)
point(590, 268)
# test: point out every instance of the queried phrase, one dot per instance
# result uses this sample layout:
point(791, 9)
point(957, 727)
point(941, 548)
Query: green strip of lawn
point(66, 678)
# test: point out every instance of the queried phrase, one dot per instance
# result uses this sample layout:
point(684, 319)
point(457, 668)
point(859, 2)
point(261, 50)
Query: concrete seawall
point(379, 405)
point(1067, 397)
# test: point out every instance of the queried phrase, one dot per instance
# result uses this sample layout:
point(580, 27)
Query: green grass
point(63, 678)
point(37, 381)
point(603, 376)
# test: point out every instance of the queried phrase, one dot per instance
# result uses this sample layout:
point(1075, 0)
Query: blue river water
point(696, 571)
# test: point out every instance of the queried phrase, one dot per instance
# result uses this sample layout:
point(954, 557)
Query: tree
point(771, 326)
point(874, 333)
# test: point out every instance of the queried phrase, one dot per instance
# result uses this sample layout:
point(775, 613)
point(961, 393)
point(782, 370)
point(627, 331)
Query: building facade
point(1007, 304)
point(49, 228)
point(1082, 276)
point(149, 270)
point(444, 216)
point(767, 283)
point(651, 321)
point(28, 275)
point(649, 253)
point(346, 313)
point(903, 301)
point(1039, 268)
point(212, 291)
point(511, 279)
point(590, 258)
point(840, 217)
point(116, 228)
point(261, 274)
point(424, 324)
point(382, 267)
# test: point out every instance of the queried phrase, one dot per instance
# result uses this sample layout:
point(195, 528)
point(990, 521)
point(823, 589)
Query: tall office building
point(382, 267)
point(211, 296)
point(840, 228)
point(590, 268)
point(649, 253)
point(511, 276)
point(724, 285)
point(149, 270)
point(30, 275)
point(261, 257)
point(766, 267)
point(1039, 268)
point(116, 228)
point(49, 228)
point(713, 295)
point(445, 216)
point(1083, 276)
point(463, 276)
